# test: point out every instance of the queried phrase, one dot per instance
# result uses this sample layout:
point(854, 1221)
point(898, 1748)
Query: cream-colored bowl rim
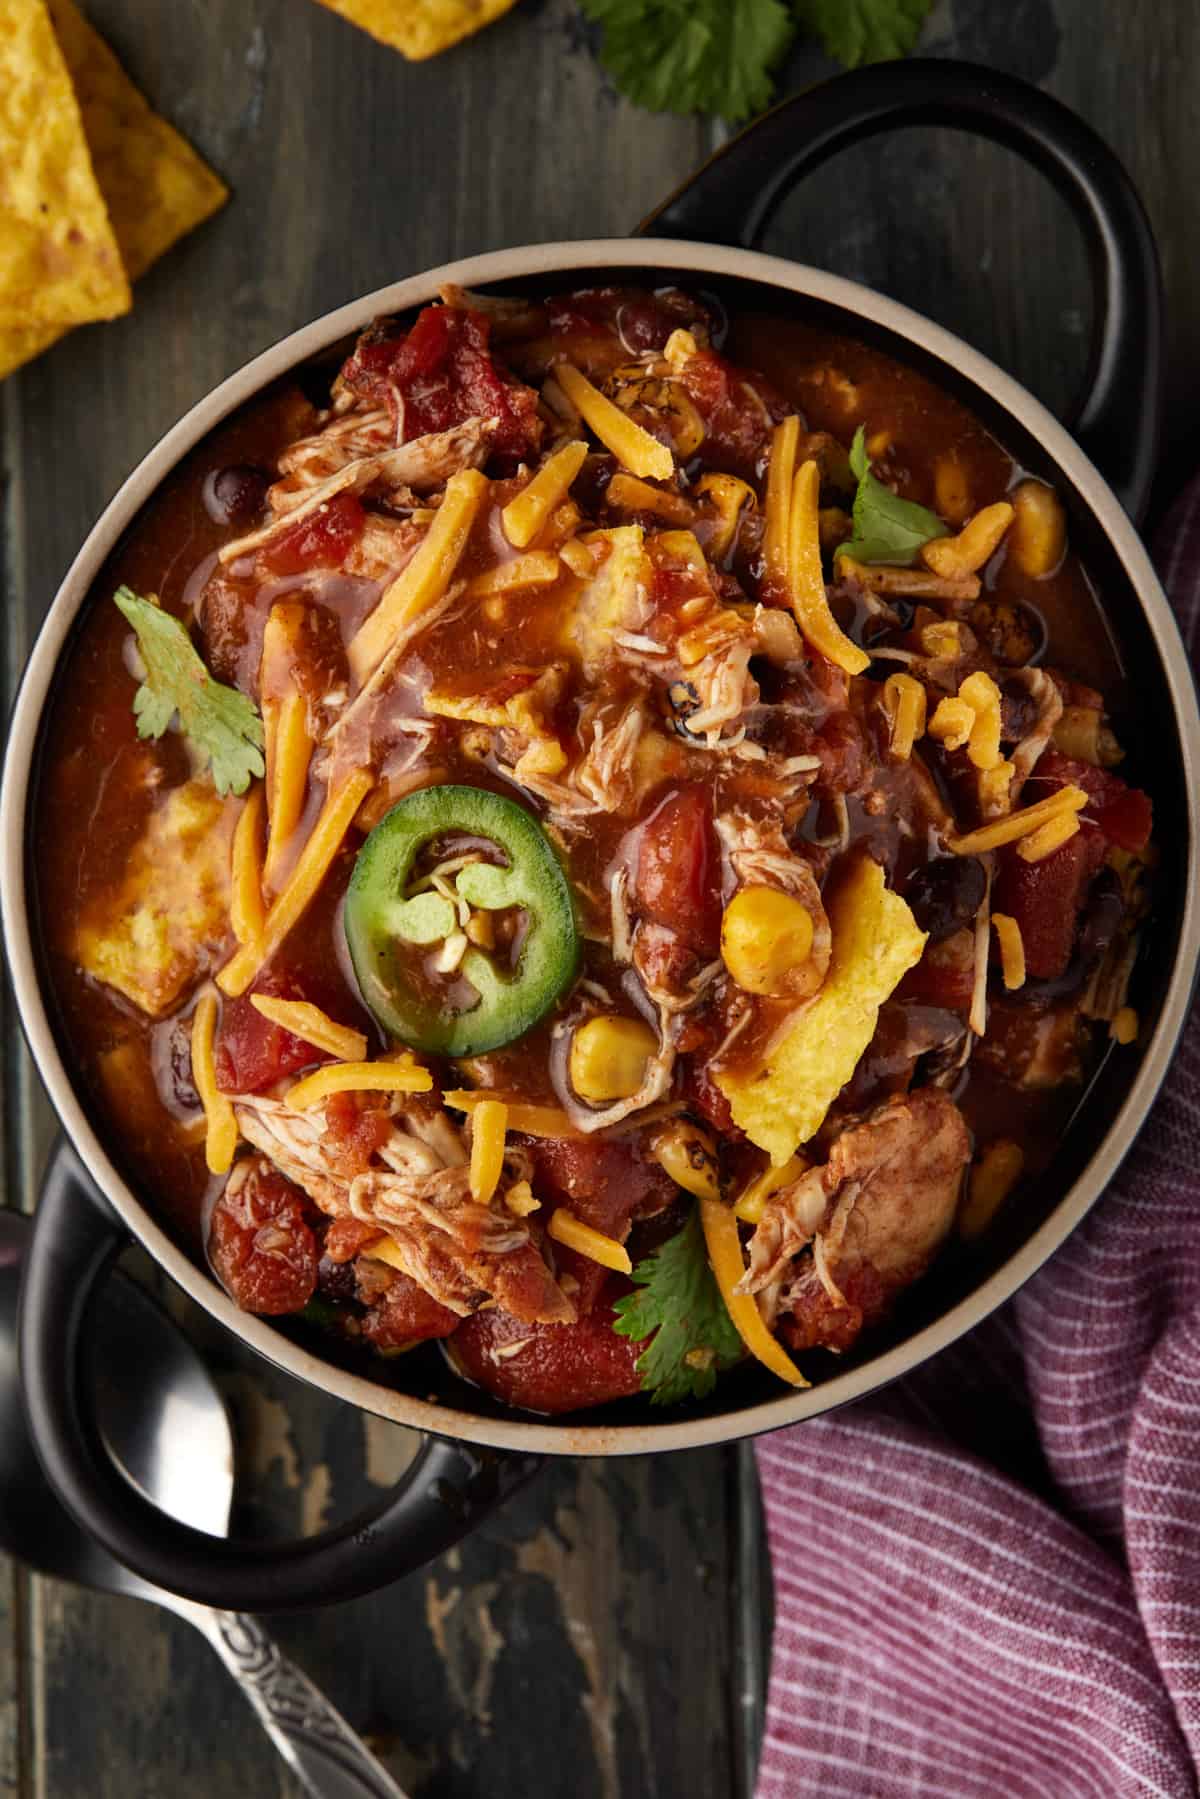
point(533, 262)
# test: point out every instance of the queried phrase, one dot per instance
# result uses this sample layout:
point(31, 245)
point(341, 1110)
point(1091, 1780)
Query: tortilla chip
point(420, 28)
point(59, 261)
point(875, 942)
point(156, 187)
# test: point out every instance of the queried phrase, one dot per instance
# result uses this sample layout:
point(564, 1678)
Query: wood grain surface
point(606, 1635)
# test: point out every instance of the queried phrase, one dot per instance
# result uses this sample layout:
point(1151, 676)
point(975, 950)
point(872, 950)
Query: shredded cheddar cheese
point(221, 1133)
point(806, 580)
point(633, 448)
point(952, 723)
point(974, 545)
point(424, 581)
point(904, 703)
point(1012, 950)
point(525, 516)
point(246, 910)
point(400, 1076)
point(1060, 806)
point(578, 558)
point(725, 1257)
point(572, 1233)
point(489, 1123)
point(983, 697)
point(301, 885)
point(289, 751)
point(1047, 838)
point(994, 784)
point(751, 1202)
point(530, 1120)
point(539, 569)
point(777, 507)
point(307, 1021)
point(627, 494)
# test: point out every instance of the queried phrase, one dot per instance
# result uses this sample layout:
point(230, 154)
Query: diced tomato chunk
point(252, 1053)
point(261, 1243)
point(406, 1314)
point(443, 373)
point(679, 872)
point(357, 1125)
point(605, 1185)
point(738, 413)
point(1125, 814)
point(1045, 898)
point(549, 1367)
point(945, 975)
point(323, 540)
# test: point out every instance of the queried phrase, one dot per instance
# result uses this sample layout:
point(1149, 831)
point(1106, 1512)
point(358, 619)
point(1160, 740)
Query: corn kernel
point(689, 1156)
point(766, 935)
point(1124, 1027)
point(941, 638)
point(991, 1180)
point(609, 1057)
point(951, 491)
point(727, 495)
point(1039, 534)
point(751, 1202)
point(521, 1199)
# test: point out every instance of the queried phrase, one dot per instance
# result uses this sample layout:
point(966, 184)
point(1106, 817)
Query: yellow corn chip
point(875, 942)
point(59, 262)
point(156, 187)
point(420, 28)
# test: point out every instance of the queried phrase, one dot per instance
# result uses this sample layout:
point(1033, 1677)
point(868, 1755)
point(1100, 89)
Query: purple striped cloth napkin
point(987, 1579)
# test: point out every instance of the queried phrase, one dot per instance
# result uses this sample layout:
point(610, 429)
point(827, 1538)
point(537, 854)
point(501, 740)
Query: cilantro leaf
point(886, 528)
point(694, 1336)
point(858, 31)
point(222, 723)
point(693, 55)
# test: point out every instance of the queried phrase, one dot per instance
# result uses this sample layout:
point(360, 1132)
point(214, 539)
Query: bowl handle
point(450, 1488)
point(732, 198)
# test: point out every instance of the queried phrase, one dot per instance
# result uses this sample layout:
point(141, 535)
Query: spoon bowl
point(164, 1423)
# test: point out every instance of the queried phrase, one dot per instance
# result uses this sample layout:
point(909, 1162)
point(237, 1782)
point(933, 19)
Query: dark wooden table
point(605, 1636)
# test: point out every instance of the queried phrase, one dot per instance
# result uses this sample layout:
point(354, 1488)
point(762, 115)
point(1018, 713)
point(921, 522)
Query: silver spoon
point(165, 1423)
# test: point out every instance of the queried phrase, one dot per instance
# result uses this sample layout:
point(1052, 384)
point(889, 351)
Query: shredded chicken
point(459, 1252)
point(884, 1200)
point(462, 1253)
point(1048, 700)
point(420, 466)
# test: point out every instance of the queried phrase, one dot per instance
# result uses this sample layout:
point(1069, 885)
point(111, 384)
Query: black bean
point(1102, 915)
point(945, 895)
point(235, 495)
point(336, 1279)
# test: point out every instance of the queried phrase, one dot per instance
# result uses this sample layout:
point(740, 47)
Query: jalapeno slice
point(409, 934)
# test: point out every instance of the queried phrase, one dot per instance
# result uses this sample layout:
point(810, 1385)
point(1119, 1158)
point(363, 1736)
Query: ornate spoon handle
point(309, 1733)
